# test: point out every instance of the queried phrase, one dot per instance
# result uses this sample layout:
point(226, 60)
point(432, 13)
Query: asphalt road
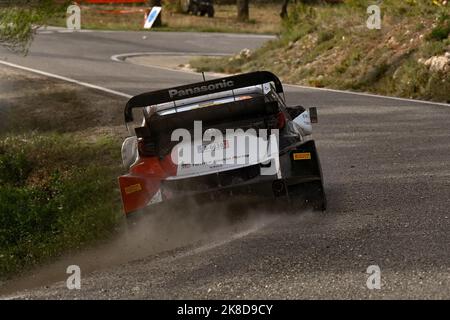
point(387, 178)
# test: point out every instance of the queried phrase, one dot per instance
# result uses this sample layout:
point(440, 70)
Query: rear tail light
point(281, 120)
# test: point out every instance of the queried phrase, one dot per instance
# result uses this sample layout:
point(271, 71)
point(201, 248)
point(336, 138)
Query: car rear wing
point(200, 88)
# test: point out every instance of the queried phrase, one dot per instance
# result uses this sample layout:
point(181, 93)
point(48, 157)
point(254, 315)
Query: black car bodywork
point(299, 180)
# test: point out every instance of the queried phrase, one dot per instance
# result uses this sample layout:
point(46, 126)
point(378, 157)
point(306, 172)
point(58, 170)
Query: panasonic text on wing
point(214, 86)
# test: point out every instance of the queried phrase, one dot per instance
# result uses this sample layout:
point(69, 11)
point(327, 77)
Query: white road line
point(199, 34)
point(364, 94)
point(123, 56)
point(81, 83)
point(237, 35)
point(60, 30)
point(13, 297)
point(119, 57)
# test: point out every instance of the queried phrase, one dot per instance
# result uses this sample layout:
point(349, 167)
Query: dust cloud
point(169, 232)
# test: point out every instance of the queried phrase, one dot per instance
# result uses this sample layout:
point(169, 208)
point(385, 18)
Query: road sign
point(152, 17)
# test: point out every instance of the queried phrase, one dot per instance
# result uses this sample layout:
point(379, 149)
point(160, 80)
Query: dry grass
point(330, 46)
point(263, 19)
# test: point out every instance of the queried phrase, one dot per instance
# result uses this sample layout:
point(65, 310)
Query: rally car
point(218, 139)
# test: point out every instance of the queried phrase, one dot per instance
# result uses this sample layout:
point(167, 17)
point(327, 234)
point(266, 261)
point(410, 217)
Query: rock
point(438, 63)
point(395, 75)
point(392, 41)
point(245, 53)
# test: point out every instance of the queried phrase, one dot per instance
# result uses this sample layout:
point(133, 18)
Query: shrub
point(57, 201)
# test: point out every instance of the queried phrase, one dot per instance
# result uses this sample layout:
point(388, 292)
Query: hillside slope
point(331, 46)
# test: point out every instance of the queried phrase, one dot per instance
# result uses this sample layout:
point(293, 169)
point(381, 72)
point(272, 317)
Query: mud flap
point(304, 177)
point(308, 195)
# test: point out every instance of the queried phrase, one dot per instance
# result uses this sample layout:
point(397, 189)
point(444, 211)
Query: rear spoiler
point(199, 89)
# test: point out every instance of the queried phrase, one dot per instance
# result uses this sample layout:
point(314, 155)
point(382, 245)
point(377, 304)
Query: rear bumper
point(260, 185)
point(301, 179)
point(299, 164)
point(270, 190)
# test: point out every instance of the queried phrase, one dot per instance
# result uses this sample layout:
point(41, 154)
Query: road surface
point(386, 165)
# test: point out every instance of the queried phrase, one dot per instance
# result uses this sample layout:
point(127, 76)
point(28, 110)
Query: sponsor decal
point(302, 156)
point(133, 188)
point(209, 147)
point(205, 88)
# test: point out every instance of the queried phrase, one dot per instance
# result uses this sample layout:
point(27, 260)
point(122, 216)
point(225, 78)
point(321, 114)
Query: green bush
point(442, 30)
point(57, 193)
point(14, 168)
point(325, 36)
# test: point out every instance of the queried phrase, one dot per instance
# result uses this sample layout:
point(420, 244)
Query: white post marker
point(152, 17)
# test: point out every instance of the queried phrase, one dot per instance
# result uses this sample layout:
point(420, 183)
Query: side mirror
point(313, 115)
point(129, 151)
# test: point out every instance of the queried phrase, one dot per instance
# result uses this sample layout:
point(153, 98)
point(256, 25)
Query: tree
point(19, 20)
point(283, 13)
point(242, 10)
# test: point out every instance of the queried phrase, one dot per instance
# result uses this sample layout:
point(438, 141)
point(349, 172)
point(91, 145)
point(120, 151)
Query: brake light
point(281, 120)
